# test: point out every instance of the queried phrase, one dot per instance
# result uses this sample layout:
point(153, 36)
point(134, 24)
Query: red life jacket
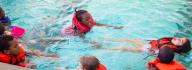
point(174, 65)
point(101, 67)
point(166, 41)
point(15, 60)
point(81, 26)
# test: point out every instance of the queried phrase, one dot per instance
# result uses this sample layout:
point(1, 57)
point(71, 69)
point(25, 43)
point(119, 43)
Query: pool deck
point(4, 66)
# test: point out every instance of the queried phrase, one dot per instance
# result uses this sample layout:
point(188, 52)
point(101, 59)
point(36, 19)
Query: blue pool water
point(141, 18)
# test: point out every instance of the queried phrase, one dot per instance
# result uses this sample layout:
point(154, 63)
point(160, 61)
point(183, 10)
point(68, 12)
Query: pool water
point(140, 18)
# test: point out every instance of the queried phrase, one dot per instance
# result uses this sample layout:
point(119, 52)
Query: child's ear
point(6, 52)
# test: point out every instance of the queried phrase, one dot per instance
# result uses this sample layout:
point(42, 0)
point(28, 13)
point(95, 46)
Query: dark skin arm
point(93, 43)
point(115, 27)
point(81, 33)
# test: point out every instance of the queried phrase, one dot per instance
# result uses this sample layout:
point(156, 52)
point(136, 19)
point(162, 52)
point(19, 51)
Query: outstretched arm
point(123, 48)
point(39, 53)
point(128, 48)
point(115, 27)
point(137, 42)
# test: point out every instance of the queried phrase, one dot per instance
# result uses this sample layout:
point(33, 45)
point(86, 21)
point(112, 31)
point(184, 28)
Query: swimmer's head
point(166, 54)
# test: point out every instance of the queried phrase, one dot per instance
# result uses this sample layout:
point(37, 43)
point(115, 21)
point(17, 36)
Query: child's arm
point(128, 48)
point(39, 53)
point(123, 40)
point(137, 42)
point(123, 48)
point(115, 27)
point(93, 43)
point(7, 33)
point(81, 34)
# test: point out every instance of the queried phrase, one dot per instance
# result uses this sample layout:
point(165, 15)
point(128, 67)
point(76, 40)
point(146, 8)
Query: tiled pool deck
point(4, 66)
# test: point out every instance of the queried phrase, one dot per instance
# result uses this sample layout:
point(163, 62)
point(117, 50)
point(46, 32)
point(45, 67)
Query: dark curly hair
point(4, 42)
point(186, 47)
point(2, 29)
point(89, 63)
point(79, 14)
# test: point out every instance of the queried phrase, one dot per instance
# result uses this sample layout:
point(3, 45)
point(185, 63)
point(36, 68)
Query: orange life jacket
point(101, 67)
point(166, 41)
point(174, 65)
point(15, 60)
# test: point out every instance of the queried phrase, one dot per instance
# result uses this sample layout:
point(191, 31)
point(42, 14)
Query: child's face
point(179, 41)
point(86, 18)
point(14, 47)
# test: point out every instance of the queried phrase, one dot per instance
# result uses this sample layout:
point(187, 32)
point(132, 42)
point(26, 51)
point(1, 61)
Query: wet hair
point(79, 14)
point(166, 54)
point(2, 29)
point(1, 11)
point(4, 42)
point(89, 62)
point(186, 47)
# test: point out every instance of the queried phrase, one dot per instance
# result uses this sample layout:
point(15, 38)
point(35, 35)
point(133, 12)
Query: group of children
point(13, 53)
point(164, 47)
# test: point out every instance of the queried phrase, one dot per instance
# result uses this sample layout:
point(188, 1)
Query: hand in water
point(96, 46)
point(121, 40)
point(67, 30)
point(39, 53)
point(52, 55)
point(118, 27)
point(7, 33)
point(33, 41)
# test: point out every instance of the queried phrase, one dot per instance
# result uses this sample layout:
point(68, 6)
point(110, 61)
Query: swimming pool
point(141, 18)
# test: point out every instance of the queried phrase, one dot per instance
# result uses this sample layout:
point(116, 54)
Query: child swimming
point(82, 23)
point(90, 63)
point(4, 19)
point(179, 45)
point(165, 61)
point(87, 63)
point(12, 52)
